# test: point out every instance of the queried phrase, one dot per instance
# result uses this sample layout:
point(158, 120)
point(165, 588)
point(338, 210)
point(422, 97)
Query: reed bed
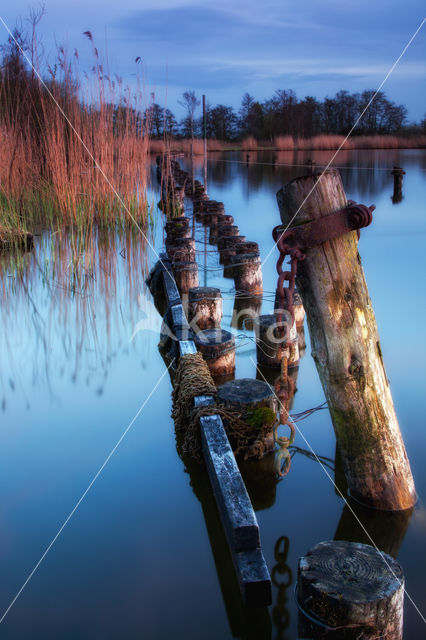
point(74, 154)
point(288, 143)
point(249, 144)
point(284, 143)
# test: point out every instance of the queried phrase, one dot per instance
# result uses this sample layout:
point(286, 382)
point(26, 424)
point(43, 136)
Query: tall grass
point(74, 153)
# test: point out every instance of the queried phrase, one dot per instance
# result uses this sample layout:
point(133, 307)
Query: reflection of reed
point(61, 307)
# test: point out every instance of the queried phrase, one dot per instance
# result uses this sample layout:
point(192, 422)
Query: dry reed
point(78, 155)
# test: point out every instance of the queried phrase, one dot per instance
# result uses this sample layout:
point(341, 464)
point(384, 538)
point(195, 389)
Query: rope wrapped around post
point(245, 435)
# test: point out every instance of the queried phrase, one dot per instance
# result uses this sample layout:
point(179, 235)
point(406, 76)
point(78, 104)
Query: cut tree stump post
point(346, 349)
point(217, 347)
point(353, 590)
point(205, 307)
point(245, 396)
point(271, 348)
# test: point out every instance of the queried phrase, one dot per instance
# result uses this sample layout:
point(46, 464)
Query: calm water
point(144, 555)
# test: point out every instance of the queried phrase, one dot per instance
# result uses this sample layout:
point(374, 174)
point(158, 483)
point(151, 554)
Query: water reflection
point(365, 172)
point(62, 310)
point(386, 529)
point(282, 578)
point(244, 622)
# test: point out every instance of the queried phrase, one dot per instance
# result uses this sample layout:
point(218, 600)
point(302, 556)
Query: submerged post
point(346, 350)
point(398, 177)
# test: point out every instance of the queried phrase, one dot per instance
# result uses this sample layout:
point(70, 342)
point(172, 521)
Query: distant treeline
point(284, 114)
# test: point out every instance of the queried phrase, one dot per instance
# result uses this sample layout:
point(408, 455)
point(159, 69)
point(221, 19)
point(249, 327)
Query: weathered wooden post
point(205, 307)
point(218, 349)
point(257, 403)
point(246, 308)
point(178, 228)
point(185, 243)
point(184, 252)
point(346, 349)
point(270, 346)
point(299, 311)
point(247, 270)
point(247, 247)
point(349, 589)
point(186, 275)
point(226, 247)
point(398, 176)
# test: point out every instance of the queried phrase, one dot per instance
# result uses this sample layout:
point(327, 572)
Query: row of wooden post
point(347, 353)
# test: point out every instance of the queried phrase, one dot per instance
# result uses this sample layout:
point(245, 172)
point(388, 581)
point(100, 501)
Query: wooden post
point(346, 350)
point(186, 275)
point(218, 349)
point(349, 590)
point(247, 247)
point(247, 270)
point(398, 177)
point(225, 230)
point(205, 142)
point(205, 307)
point(246, 308)
point(181, 253)
point(246, 396)
point(185, 243)
point(270, 348)
point(226, 247)
point(299, 311)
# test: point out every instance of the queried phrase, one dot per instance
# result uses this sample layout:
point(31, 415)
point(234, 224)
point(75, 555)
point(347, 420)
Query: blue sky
point(228, 47)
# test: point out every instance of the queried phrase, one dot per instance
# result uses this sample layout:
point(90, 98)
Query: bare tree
point(190, 102)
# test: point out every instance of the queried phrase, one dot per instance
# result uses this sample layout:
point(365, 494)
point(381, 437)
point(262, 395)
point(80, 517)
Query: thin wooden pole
point(346, 349)
point(205, 142)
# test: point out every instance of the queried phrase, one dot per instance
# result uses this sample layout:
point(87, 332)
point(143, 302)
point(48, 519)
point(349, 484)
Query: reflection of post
point(261, 480)
point(398, 175)
point(244, 622)
point(386, 528)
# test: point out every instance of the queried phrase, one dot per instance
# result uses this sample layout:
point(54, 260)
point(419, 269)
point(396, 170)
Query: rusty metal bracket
point(311, 234)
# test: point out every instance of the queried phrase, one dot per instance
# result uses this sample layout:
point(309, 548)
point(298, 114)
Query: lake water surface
point(144, 555)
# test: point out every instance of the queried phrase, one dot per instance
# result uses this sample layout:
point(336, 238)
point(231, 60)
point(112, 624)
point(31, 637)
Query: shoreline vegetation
point(74, 148)
point(321, 142)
